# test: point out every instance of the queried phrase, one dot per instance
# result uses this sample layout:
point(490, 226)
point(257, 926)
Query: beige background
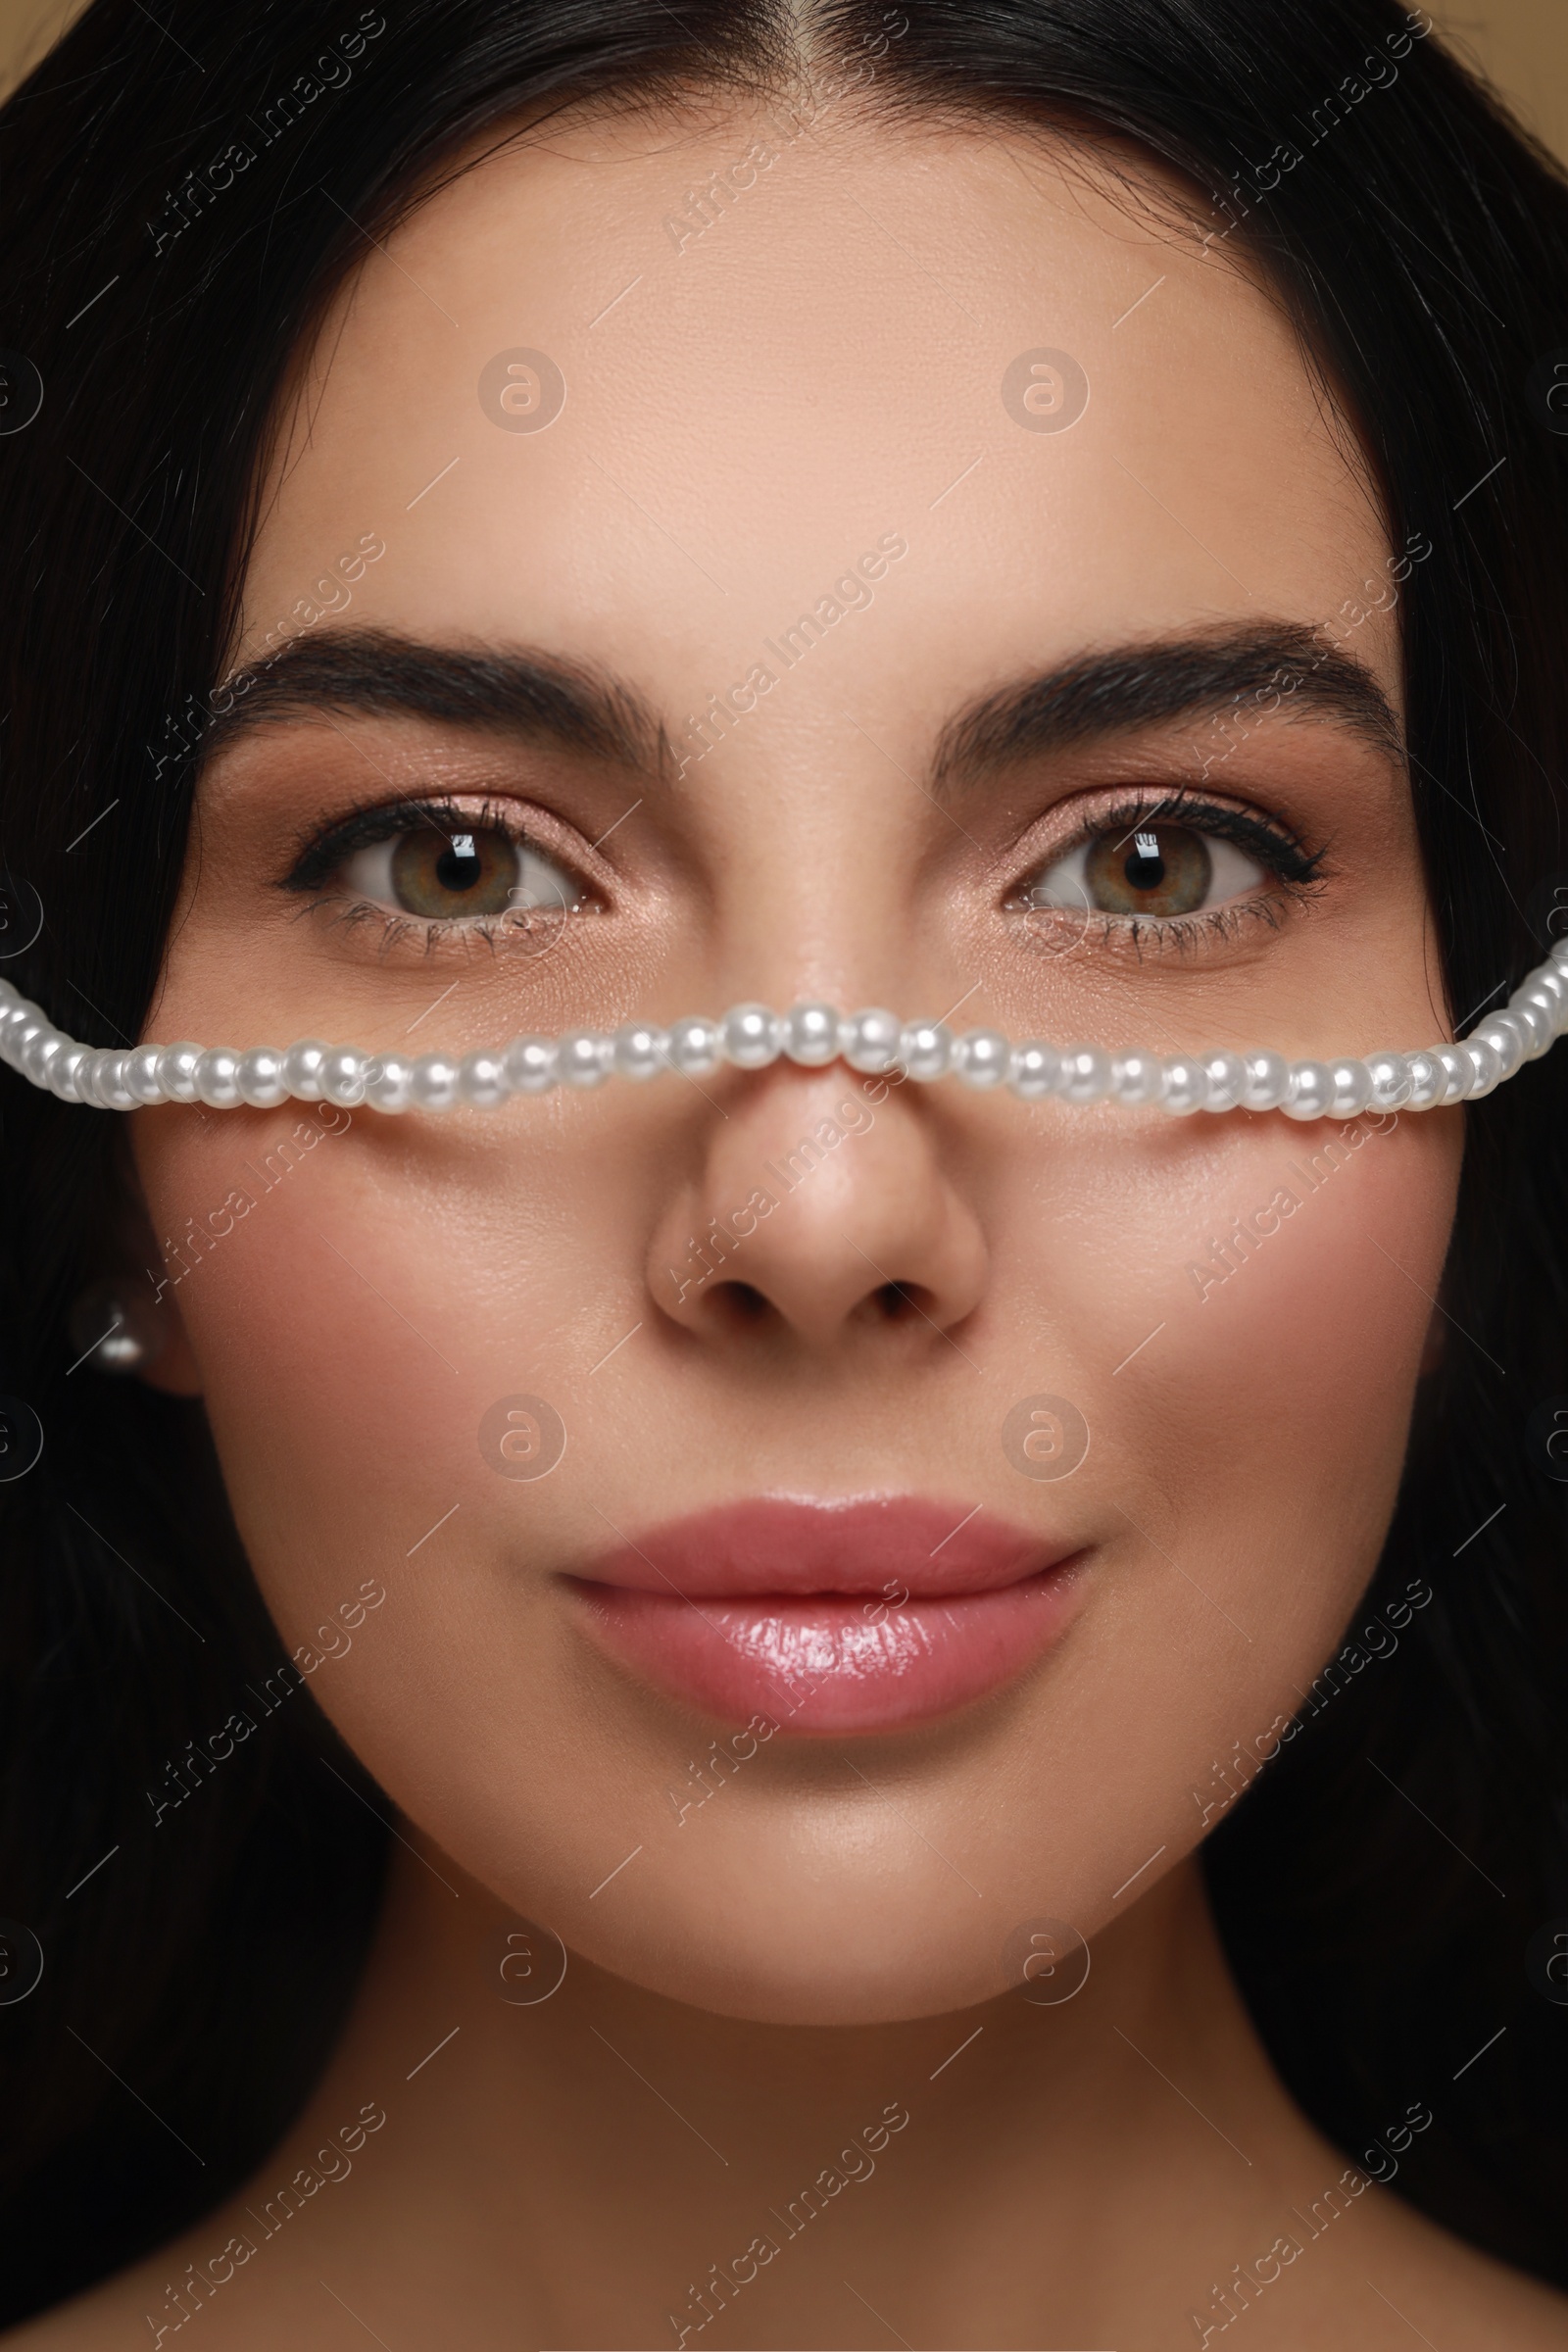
point(1522, 45)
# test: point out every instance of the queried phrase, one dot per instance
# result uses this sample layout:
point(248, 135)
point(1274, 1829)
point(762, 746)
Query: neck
point(613, 2161)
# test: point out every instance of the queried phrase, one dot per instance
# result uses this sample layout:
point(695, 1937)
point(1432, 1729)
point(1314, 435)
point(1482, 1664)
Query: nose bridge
point(825, 1203)
point(814, 838)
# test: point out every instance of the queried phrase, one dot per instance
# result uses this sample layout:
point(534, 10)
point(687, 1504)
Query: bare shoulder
point(143, 2306)
point(1415, 2275)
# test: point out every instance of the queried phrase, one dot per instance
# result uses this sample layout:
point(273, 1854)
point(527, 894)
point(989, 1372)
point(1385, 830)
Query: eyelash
point(320, 856)
point(1299, 869)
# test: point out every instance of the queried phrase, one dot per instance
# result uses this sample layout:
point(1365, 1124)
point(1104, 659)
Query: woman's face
point(944, 1491)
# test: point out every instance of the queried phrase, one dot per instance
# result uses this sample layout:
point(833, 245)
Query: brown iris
point(454, 874)
point(1155, 869)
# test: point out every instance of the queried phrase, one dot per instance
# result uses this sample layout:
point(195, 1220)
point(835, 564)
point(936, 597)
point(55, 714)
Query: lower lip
point(827, 1662)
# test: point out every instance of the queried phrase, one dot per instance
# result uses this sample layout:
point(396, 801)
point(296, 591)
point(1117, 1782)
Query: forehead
point(772, 348)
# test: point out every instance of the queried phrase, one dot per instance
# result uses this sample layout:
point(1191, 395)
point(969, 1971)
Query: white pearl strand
point(751, 1036)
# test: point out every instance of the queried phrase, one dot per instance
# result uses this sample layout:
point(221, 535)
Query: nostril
point(740, 1303)
point(900, 1303)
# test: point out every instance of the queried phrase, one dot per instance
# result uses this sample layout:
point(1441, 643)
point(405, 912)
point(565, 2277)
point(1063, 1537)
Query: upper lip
point(777, 1544)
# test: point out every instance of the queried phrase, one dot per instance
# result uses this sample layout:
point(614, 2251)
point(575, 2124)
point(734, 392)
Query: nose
point(824, 1211)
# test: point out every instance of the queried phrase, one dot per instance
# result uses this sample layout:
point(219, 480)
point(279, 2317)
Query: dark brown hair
point(180, 193)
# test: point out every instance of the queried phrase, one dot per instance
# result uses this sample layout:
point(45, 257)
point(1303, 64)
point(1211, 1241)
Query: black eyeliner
point(1286, 854)
point(320, 856)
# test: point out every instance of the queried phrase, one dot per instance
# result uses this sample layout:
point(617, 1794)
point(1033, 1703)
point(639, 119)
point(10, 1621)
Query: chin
point(788, 1949)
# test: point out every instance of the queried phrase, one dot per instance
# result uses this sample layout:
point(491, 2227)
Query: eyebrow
point(533, 696)
point(529, 696)
point(1215, 672)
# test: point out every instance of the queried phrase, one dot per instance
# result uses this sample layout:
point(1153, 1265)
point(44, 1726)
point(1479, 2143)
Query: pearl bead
point(694, 1047)
point(35, 1040)
point(260, 1078)
point(1033, 1070)
point(640, 1051)
point(925, 1050)
point(141, 1074)
point(1311, 1091)
point(1267, 1082)
point(482, 1081)
point(869, 1040)
point(433, 1082)
point(1186, 1086)
point(1088, 1074)
point(216, 1078)
point(113, 1092)
point(1458, 1073)
point(1389, 1074)
point(1428, 1080)
point(302, 1069)
point(1537, 1020)
point(388, 1082)
point(1350, 1089)
point(1485, 1068)
point(1504, 1033)
point(177, 1073)
point(62, 1069)
point(343, 1076)
point(1227, 1080)
point(583, 1059)
point(1546, 986)
point(531, 1064)
point(812, 1035)
point(89, 1075)
point(980, 1057)
point(13, 1020)
point(751, 1036)
point(1138, 1077)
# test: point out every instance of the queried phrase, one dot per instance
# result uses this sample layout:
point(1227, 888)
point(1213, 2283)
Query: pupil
point(1144, 870)
point(459, 865)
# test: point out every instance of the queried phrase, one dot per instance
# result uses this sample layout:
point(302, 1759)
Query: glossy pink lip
point(863, 1616)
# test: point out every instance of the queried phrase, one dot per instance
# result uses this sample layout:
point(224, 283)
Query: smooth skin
point(758, 1984)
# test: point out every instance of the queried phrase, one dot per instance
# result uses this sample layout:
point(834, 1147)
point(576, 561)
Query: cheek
point(1299, 1331)
point(1249, 1385)
point(350, 1333)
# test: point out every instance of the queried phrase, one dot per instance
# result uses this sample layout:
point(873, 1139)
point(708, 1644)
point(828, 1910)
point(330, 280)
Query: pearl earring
point(113, 1331)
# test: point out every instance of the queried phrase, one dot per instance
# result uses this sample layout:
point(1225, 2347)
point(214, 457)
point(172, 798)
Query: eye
point(443, 873)
point(1150, 866)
